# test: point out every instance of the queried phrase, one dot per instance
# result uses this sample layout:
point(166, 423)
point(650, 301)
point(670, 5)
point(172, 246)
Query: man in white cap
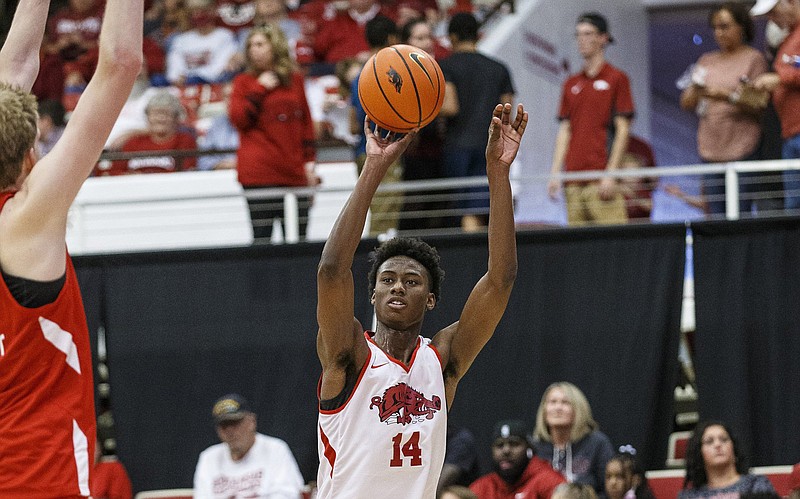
point(246, 464)
point(783, 83)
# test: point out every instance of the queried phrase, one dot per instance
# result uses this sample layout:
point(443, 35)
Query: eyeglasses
point(627, 449)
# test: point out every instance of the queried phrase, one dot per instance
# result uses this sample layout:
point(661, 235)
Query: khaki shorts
point(584, 206)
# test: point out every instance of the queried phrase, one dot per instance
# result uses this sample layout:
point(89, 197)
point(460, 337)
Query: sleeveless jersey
point(388, 439)
point(47, 422)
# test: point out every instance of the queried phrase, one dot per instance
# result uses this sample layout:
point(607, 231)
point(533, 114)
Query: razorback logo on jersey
point(403, 405)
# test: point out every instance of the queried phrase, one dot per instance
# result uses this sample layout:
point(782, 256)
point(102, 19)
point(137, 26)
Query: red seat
point(676, 449)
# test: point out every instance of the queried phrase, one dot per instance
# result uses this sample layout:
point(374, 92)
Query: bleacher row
point(665, 484)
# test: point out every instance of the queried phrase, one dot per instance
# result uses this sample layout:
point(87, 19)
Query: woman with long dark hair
point(716, 465)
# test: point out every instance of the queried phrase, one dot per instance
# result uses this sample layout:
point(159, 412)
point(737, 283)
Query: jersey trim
point(406, 368)
point(329, 452)
point(80, 449)
point(438, 355)
point(350, 396)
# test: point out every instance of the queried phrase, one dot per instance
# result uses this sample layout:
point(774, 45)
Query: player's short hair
point(18, 127)
point(411, 247)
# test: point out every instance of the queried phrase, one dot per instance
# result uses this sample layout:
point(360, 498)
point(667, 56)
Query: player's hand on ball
point(384, 145)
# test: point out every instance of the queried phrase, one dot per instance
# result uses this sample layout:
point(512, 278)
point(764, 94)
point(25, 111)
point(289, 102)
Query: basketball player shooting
point(384, 395)
point(47, 420)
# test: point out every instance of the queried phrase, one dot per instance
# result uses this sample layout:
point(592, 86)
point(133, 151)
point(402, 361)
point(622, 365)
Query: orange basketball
point(401, 88)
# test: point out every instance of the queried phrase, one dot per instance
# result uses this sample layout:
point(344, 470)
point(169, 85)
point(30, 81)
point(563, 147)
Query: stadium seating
point(666, 484)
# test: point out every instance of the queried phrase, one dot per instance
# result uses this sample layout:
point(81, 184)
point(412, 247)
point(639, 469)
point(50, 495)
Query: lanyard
point(567, 471)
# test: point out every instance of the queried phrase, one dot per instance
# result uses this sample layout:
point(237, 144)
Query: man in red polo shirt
point(594, 102)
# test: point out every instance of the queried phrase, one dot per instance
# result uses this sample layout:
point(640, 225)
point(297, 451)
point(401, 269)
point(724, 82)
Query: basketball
point(401, 88)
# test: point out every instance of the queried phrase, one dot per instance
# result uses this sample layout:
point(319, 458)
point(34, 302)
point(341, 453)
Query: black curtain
point(747, 343)
point(599, 308)
point(596, 307)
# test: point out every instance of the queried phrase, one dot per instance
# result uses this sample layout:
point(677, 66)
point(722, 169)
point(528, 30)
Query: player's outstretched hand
point(383, 145)
point(505, 134)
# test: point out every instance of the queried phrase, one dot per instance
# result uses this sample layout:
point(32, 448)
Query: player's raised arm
point(487, 301)
point(335, 300)
point(36, 216)
point(19, 58)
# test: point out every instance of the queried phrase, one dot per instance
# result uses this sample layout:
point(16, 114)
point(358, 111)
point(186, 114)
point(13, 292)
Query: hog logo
point(404, 405)
point(395, 79)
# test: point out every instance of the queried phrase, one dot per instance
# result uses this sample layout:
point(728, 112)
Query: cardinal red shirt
point(155, 163)
point(537, 482)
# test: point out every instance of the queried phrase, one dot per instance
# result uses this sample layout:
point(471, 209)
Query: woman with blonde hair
point(268, 107)
point(568, 437)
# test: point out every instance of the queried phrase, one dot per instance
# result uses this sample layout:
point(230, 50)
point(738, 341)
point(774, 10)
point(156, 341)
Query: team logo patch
point(404, 405)
point(395, 79)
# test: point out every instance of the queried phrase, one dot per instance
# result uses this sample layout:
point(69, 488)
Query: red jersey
point(47, 422)
point(156, 164)
point(590, 105)
point(538, 481)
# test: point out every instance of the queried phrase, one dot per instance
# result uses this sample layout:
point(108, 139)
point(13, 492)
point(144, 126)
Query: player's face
point(717, 447)
point(558, 410)
point(590, 40)
point(510, 457)
point(617, 480)
point(402, 292)
point(727, 32)
point(238, 435)
point(260, 52)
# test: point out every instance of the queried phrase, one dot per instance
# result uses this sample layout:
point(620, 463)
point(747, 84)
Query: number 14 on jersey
point(409, 449)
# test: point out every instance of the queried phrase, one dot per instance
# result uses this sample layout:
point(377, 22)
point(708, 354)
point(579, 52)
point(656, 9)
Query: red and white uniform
point(47, 423)
point(388, 439)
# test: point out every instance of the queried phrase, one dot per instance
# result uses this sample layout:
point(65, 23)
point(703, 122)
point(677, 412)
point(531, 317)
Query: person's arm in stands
point(37, 215)
point(19, 58)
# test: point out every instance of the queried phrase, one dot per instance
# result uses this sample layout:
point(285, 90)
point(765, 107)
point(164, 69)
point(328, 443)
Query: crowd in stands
point(564, 456)
point(195, 50)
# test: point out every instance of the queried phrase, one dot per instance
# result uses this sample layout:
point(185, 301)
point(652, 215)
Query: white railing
point(209, 209)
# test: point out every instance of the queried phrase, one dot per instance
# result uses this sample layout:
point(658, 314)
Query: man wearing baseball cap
point(246, 463)
point(783, 85)
point(517, 471)
point(596, 110)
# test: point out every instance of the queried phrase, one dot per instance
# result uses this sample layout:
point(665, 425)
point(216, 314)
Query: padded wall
point(599, 307)
point(747, 283)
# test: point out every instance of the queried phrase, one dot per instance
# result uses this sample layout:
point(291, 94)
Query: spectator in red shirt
point(518, 473)
point(276, 133)
point(70, 33)
point(109, 478)
point(164, 115)
point(344, 35)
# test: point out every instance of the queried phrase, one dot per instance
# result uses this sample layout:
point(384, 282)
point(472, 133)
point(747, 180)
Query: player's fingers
point(506, 114)
point(518, 117)
point(498, 110)
point(523, 124)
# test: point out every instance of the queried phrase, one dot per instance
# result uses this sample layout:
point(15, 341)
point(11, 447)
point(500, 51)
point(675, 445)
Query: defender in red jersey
point(384, 396)
point(47, 421)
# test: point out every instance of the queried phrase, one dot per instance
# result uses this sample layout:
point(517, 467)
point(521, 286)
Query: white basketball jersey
point(388, 440)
